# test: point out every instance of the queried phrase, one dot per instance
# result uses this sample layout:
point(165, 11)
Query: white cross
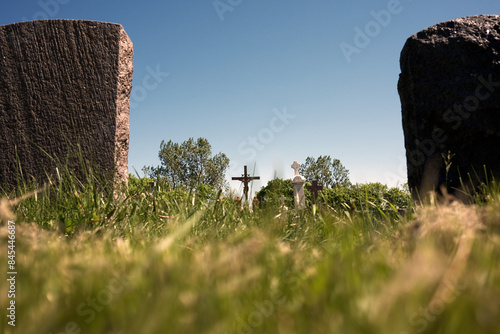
point(296, 167)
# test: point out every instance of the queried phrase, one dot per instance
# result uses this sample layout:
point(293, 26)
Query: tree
point(330, 173)
point(190, 164)
point(271, 193)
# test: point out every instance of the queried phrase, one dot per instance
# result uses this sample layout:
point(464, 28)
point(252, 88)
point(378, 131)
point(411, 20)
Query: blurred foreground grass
point(89, 263)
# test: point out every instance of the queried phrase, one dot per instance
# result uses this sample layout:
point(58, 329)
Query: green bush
point(269, 196)
point(370, 196)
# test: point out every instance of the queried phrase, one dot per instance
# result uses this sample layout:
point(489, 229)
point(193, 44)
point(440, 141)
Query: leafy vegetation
point(190, 164)
point(269, 196)
point(330, 173)
point(174, 261)
point(371, 196)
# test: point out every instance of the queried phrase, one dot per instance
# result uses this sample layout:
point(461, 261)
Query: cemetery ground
point(161, 262)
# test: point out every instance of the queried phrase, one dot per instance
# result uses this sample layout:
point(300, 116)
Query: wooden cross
point(245, 178)
point(314, 189)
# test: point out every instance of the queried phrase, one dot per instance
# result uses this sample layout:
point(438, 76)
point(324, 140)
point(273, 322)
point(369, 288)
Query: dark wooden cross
point(245, 178)
point(314, 189)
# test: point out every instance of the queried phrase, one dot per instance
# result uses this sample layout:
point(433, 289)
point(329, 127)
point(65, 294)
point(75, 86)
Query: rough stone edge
point(123, 90)
point(462, 20)
point(64, 20)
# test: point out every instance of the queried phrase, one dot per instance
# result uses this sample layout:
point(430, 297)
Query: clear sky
point(267, 82)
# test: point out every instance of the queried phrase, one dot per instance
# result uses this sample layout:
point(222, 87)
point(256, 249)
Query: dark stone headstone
point(450, 94)
point(64, 98)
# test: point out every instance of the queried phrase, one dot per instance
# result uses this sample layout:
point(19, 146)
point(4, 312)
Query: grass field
point(89, 263)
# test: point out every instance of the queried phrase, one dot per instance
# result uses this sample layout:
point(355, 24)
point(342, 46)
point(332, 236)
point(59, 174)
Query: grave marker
point(450, 102)
point(298, 187)
point(282, 199)
point(64, 98)
point(245, 178)
point(314, 189)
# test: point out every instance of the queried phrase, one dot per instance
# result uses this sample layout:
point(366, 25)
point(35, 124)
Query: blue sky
point(267, 82)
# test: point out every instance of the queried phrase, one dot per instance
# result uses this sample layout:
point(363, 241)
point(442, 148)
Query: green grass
point(89, 261)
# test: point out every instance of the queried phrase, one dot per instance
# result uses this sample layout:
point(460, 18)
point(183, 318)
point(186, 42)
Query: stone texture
point(64, 90)
point(450, 95)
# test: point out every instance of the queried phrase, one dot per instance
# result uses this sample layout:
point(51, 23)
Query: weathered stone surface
point(450, 94)
point(64, 90)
